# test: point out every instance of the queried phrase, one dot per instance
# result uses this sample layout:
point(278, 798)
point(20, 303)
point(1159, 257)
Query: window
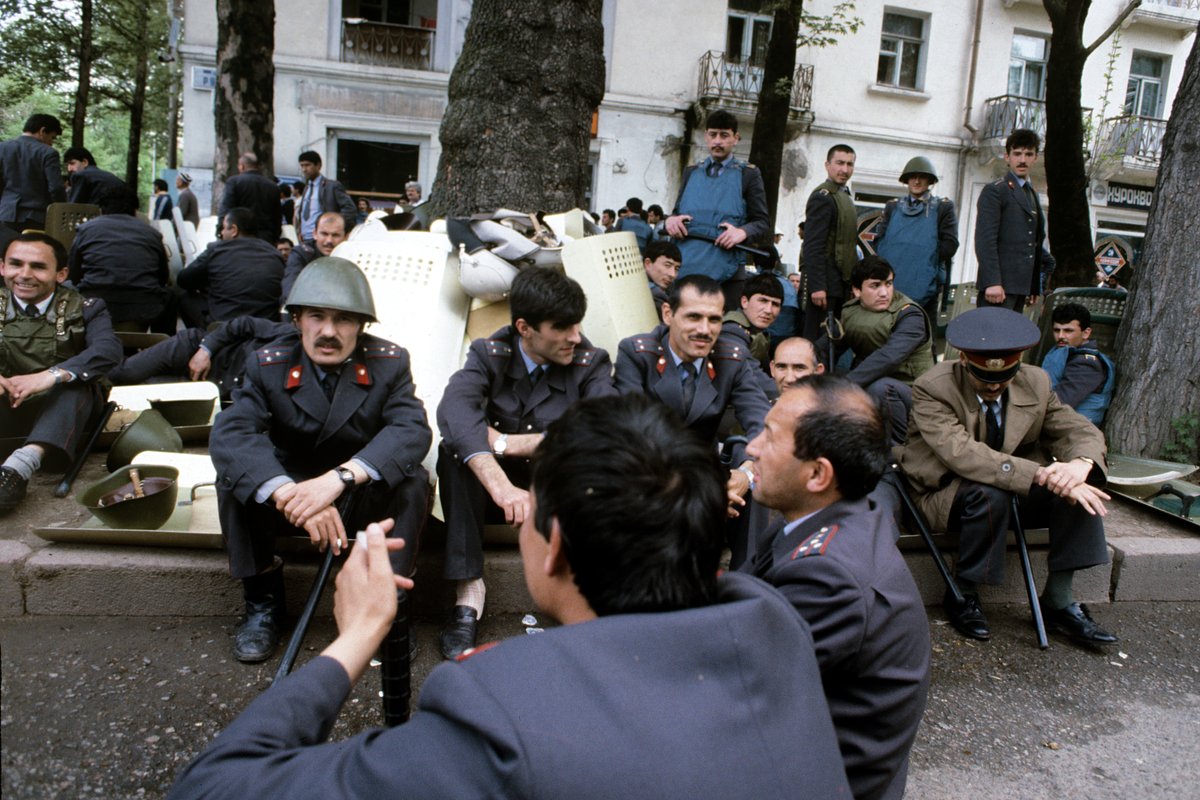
point(1144, 92)
point(746, 39)
point(901, 49)
point(393, 12)
point(1027, 66)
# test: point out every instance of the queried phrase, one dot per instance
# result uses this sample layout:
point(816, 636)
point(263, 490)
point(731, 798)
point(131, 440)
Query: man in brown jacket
point(986, 427)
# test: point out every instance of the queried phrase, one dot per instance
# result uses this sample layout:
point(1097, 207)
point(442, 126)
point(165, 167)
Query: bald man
point(795, 358)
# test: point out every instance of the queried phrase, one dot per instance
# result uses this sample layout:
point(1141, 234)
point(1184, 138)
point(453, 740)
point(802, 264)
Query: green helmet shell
point(332, 282)
point(150, 431)
point(919, 165)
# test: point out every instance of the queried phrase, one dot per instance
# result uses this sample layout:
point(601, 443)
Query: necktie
point(995, 437)
point(29, 310)
point(1030, 196)
point(306, 202)
point(713, 169)
point(536, 375)
point(688, 377)
point(329, 384)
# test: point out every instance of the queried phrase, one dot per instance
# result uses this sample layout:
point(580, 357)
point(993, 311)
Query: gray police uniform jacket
point(841, 570)
point(281, 424)
point(1010, 239)
point(720, 702)
point(30, 180)
point(493, 390)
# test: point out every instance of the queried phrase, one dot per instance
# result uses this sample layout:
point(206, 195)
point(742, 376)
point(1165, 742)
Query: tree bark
point(244, 107)
point(137, 108)
point(1157, 346)
point(774, 100)
point(516, 130)
point(84, 85)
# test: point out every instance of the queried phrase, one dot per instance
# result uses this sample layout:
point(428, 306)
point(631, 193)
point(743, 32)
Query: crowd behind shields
point(607, 466)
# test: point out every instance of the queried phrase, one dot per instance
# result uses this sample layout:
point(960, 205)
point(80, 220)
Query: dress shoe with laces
point(1076, 621)
point(12, 488)
point(967, 617)
point(261, 628)
point(459, 636)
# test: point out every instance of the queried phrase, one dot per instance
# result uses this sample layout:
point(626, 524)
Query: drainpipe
point(969, 144)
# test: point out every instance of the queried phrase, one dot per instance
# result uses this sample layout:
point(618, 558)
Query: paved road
point(112, 708)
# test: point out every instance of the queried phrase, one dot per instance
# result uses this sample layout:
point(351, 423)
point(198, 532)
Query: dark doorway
point(376, 168)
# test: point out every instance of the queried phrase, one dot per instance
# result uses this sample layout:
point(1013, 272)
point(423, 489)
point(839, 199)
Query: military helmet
point(332, 282)
point(919, 165)
point(150, 431)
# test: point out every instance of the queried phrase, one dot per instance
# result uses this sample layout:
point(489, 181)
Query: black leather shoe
point(1076, 621)
point(459, 635)
point(967, 617)
point(259, 632)
point(12, 488)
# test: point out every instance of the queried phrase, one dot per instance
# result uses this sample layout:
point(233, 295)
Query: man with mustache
point(687, 365)
point(321, 410)
point(330, 232)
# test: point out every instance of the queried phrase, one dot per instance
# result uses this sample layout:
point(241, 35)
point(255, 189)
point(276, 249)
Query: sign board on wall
point(1124, 195)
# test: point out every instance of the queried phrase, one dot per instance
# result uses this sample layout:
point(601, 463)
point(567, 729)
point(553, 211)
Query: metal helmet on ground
point(919, 165)
point(150, 431)
point(332, 282)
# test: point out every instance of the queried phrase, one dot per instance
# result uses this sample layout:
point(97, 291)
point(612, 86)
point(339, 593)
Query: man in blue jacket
point(1080, 374)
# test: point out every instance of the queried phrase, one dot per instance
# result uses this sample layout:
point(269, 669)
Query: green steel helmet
point(919, 165)
point(150, 431)
point(332, 282)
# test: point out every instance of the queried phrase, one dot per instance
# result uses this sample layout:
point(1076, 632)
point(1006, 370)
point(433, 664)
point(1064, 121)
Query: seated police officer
point(321, 410)
point(985, 428)
point(1080, 374)
point(664, 680)
point(492, 416)
point(55, 347)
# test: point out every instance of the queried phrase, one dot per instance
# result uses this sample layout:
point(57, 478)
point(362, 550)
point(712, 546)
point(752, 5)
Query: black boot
point(258, 634)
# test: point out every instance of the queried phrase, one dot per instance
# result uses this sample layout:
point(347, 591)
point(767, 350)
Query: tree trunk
point(516, 130)
point(1157, 346)
point(1069, 226)
point(244, 108)
point(774, 100)
point(137, 108)
point(79, 118)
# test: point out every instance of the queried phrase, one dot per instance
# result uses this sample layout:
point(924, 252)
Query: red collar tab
point(294, 374)
point(661, 365)
point(361, 377)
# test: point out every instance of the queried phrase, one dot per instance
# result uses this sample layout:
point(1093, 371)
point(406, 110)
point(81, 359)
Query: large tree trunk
point(244, 109)
point(137, 109)
point(79, 117)
point(522, 94)
point(1157, 345)
point(774, 100)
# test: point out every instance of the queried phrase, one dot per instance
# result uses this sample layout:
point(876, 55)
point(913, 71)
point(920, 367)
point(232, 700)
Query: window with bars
point(901, 51)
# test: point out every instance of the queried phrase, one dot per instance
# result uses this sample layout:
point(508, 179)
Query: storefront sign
point(1124, 195)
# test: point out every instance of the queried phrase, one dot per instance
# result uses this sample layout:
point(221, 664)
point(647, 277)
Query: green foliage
point(1184, 444)
point(823, 30)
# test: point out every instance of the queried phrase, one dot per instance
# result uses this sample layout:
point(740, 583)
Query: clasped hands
point(1068, 480)
point(309, 505)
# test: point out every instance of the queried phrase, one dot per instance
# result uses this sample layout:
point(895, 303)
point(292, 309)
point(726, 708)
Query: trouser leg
point(1016, 302)
point(981, 515)
point(467, 507)
point(167, 359)
point(894, 399)
point(1076, 537)
point(57, 421)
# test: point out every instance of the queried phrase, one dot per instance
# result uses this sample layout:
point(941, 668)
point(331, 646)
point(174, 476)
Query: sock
point(471, 593)
point(1057, 593)
point(967, 587)
point(25, 461)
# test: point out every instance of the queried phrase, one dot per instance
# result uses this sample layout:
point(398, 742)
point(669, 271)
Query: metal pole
point(1030, 588)
point(64, 487)
point(901, 484)
point(396, 671)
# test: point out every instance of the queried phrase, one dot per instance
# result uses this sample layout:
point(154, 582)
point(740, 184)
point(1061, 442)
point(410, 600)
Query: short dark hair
point(703, 285)
point(871, 268)
point(721, 120)
point(838, 148)
point(159, 183)
point(284, 240)
point(845, 427)
point(1022, 137)
point(634, 204)
point(41, 237)
point(298, 185)
point(119, 200)
point(78, 154)
point(663, 247)
point(1070, 312)
point(640, 502)
point(655, 208)
point(610, 212)
point(244, 219)
point(311, 156)
point(763, 284)
point(541, 294)
point(49, 122)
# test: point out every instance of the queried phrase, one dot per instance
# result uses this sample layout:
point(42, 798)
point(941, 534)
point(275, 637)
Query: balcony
point(383, 45)
point(735, 85)
point(1181, 16)
point(1130, 145)
point(1004, 114)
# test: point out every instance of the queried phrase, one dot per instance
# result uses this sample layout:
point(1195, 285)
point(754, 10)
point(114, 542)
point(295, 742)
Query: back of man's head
point(244, 219)
point(763, 284)
point(248, 161)
point(541, 294)
point(701, 284)
point(639, 501)
point(119, 200)
point(1072, 312)
point(634, 204)
point(871, 268)
point(79, 154)
point(841, 424)
point(37, 122)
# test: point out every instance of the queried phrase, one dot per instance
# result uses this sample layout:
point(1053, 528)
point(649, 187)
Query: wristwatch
point(346, 476)
point(501, 444)
point(1086, 460)
point(58, 375)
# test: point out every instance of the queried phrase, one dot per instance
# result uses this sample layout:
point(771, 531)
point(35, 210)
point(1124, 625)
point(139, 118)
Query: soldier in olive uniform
point(55, 346)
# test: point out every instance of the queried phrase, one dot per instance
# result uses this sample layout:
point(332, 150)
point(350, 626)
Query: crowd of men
point(609, 467)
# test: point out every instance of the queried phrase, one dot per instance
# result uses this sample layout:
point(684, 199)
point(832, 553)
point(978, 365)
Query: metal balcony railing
point(740, 82)
point(385, 45)
point(1133, 137)
point(1004, 114)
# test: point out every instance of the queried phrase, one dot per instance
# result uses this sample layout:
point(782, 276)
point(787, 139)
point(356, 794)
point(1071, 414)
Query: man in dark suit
point(321, 195)
point(89, 183)
point(30, 175)
point(1010, 231)
point(239, 274)
point(663, 681)
point(320, 410)
point(493, 414)
point(253, 190)
point(835, 559)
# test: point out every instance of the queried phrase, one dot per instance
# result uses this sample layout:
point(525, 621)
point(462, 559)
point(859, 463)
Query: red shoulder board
point(498, 348)
point(584, 356)
point(815, 545)
point(475, 651)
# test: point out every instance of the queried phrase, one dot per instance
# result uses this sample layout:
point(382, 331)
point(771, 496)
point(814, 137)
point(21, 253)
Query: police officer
point(985, 428)
point(55, 347)
point(492, 416)
point(321, 410)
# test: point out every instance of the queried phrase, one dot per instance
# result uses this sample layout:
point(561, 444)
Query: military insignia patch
point(497, 348)
point(815, 545)
point(584, 356)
